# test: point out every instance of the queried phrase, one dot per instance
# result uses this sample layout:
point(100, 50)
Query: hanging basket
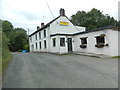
point(100, 45)
point(83, 46)
point(102, 35)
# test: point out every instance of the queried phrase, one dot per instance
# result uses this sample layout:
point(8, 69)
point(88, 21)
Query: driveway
point(43, 70)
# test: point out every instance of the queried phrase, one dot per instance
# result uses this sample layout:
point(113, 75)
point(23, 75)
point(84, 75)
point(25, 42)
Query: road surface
point(43, 70)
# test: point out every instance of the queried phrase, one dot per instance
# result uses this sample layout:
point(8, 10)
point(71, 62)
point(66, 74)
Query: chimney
point(42, 24)
point(62, 12)
point(38, 27)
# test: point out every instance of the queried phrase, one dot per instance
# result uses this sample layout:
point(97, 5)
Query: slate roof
point(88, 31)
point(99, 29)
point(44, 26)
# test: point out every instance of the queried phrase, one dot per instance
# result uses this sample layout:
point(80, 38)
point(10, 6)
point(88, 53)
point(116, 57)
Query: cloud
point(30, 13)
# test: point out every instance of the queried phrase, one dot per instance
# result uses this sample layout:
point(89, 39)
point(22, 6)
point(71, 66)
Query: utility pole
point(28, 31)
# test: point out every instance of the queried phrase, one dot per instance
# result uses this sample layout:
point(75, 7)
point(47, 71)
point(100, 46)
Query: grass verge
point(6, 62)
point(116, 57)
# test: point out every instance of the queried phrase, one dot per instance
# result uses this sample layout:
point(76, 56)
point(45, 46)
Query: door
point(69, 42)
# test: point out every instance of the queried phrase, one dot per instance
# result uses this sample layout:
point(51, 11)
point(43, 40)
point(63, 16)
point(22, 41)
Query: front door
point(69, 42)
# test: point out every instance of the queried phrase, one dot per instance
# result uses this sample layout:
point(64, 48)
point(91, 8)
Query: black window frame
point(45, 46)
point(39, 35)
point(36, 45)
point(62, 42)
point(100, 40)
point(44, 33)
point(54, 42)
point(83, 40)
point(40, 44)
point(36, 36)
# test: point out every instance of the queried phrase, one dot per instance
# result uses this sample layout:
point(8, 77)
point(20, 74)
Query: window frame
point(36, 36)
point(40, 45)
point(44, 31)
point(45, 46)
point(39, 35)
point(62, 41)
point(83, 40)
point(99, 40)
point(54, 42)
point(36, 46)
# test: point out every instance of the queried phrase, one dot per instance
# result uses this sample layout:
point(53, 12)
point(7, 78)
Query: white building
point(61, 36)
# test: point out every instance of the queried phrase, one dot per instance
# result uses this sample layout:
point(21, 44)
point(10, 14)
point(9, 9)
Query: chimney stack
point(62, 12)
point(38, 27)
point(42, 24)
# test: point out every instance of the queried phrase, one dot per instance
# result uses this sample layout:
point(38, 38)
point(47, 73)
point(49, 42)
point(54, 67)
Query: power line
point(49, 8)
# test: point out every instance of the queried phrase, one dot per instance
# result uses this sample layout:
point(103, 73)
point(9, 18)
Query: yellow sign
point(64, 23)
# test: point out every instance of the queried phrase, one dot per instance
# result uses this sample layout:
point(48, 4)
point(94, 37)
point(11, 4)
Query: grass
point(116, 57)
point(5, 54)
point(6, 62)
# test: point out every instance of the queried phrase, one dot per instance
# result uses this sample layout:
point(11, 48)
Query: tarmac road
point(43, 70)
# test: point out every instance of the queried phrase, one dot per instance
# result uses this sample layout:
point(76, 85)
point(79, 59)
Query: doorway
point(69, 42)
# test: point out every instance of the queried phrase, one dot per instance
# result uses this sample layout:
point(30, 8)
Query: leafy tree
point(92, 19)
point(7, 26)
point(19, 40)
point(17, 37)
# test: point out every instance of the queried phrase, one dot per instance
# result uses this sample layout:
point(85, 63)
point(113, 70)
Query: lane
point(42, 70)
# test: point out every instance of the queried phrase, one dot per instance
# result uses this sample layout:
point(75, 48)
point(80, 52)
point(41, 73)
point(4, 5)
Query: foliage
point(93, 19)
point(17, 37)
point(6, 54)
point(7, 27)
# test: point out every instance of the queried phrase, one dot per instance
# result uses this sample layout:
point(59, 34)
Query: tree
point(17, 37)
point(7, 26)
point(92, 19)
point(19, 40)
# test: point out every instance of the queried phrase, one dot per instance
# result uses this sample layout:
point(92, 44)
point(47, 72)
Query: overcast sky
point(30, 13)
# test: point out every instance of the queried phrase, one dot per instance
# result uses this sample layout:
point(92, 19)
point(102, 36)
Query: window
point(31, 38)
point(39, 35)
point(62, 41)
point(44, 33)
point(44, 43)
point(36, 36)
point(36, 45)
point(100, 39)
point(54, 42)
point(40, 44)
point(84, 40)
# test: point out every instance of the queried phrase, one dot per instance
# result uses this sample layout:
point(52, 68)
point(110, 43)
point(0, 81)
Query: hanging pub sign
point(64, 23)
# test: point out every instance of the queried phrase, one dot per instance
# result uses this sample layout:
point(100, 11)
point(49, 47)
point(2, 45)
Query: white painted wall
point(55, 27)
point(34, 41)
point(111, 38)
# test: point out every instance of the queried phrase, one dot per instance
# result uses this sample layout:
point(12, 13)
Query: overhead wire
point(49, 8)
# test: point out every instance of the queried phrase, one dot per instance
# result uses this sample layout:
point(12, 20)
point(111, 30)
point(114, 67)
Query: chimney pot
point(38, 27)
point(42, 24)
point(62, 12)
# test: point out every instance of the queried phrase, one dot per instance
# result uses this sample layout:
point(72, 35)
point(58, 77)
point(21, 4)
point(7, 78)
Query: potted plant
point(100, 45)
point(83, 46)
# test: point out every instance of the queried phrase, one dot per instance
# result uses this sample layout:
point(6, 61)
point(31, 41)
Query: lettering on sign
point(64, 23)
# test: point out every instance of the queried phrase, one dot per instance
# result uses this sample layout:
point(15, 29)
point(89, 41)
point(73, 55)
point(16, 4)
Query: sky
point(29, 14)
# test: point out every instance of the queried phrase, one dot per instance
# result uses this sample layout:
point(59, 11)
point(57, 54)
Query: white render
point(57, 31)
point(111, 39)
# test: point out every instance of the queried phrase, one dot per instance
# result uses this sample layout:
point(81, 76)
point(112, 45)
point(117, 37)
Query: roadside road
point(43, 70)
